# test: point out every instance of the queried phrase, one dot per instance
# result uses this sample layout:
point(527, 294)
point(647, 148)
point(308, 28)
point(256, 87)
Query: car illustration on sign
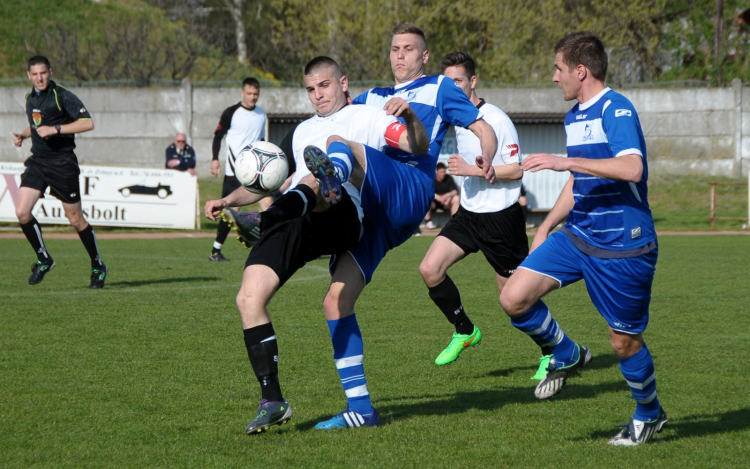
point(160, 190)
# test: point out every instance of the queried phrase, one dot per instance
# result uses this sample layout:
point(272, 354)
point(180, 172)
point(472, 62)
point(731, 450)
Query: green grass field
point(152, 370)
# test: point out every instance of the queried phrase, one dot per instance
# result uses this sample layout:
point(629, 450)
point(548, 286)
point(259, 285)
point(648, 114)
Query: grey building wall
point(688, 131)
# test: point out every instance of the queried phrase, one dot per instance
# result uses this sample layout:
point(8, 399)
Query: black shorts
point(289, 246)
point(59, 173)
point(230, 184)
point(501, 236)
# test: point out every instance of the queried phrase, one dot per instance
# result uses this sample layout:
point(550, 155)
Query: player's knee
point(511, 302)
point(429, 272)
point(331, 304)
point(23, 215)
point(625, 345)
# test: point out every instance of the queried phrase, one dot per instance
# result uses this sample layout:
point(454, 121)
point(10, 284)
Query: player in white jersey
point(242, 123)
point(608, 240)
point(300, 227)
point(489, 219)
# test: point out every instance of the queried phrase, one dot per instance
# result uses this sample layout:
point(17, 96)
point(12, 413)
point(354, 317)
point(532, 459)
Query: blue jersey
point(438, 102)
point(608, 215)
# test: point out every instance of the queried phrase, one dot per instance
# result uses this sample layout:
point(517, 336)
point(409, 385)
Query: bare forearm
point(508, 172)
point(417, 138)
point(77, 127)
point(623, 168)
point(241, 197)
point(561, 209)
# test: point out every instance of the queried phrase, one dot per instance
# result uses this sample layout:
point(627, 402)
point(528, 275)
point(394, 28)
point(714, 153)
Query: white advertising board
point(111, 196)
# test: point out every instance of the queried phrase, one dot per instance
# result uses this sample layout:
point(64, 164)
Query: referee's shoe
point(98, 276)
point(39, 270)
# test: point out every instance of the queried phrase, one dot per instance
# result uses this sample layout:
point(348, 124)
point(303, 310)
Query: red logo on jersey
point(218, 127)
point(513, 149)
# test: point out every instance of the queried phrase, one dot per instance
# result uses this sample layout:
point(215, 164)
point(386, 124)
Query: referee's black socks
point(33, 232)
point(88, 238)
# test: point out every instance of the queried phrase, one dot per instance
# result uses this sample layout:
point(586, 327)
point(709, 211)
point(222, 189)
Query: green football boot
point(458, 344)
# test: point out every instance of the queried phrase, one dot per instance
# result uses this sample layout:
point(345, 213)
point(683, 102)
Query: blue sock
point(638, 371)
point(348, 353)
point(539, 324)
point(343, 160)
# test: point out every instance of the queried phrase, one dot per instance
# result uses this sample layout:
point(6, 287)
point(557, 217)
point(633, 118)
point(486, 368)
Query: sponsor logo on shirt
point(587, 133)
point(83, 109)
point(623, 112)
point(581, 116)
point(635, 232)
point(36, 116)
point(513, 149)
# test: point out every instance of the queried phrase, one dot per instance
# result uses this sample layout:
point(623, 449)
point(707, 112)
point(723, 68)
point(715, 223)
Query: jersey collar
point(404, 85)
point(593, 100)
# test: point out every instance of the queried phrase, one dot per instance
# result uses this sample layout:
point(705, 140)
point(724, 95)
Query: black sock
point(264, 357)
point(221, 233)
point(448, 299)
point(33, 232)
point(88, 238)
point(296, 203)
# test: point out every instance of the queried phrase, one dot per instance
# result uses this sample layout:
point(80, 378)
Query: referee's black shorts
point(60, 173)
point(230, 184)
point(501, 236)
point(287, 247)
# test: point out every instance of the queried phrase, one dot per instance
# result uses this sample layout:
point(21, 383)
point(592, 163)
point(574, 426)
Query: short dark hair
point(408, 28)
point(459, 59)
point(251, 81)
point(36, 60)
point(322, 61)
point(440, 165)
point(583, 48)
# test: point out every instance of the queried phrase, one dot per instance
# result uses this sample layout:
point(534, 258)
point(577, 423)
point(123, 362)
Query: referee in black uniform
point(55, 116)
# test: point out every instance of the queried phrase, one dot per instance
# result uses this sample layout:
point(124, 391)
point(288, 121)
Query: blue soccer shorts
point(620, 289)
point(395, 198)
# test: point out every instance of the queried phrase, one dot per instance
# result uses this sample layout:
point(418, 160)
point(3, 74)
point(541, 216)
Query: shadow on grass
point(458, 403)
point(140, 283)
point(690, 426)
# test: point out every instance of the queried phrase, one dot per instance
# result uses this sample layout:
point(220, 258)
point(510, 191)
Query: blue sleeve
point(361, 99)
point(454, 106)
point(622, 128)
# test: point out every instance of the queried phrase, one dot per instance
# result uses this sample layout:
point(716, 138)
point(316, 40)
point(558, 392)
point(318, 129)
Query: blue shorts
point(619, 288)
point(395, 198)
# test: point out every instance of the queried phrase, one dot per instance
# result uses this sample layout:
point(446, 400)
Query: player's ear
point(344, 83)
point(473, 81)
point(581, 72)
point(425, 56)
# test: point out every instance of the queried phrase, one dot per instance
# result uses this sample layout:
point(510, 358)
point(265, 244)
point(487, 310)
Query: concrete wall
point(688, 131)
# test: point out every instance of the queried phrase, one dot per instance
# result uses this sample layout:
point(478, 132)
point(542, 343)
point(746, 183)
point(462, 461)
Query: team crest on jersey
point(36, 116)
point(587, 133)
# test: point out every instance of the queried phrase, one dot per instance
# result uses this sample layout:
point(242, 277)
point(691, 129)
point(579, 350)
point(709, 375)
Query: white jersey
point(478, 195)
point(242, 127)
point(361, 123)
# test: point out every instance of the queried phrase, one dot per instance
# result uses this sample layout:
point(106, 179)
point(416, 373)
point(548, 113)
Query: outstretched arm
point(628, 168)
point(239, 198)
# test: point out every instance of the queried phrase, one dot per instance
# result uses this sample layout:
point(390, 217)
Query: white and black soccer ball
point(261, 167)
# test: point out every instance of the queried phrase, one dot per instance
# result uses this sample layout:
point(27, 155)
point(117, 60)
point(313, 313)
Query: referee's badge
point(36, 116)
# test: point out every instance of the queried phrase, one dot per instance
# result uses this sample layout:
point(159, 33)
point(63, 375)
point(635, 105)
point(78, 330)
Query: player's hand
point(458, 166)
point(488, 171)
point(396, 107)
point(46, 131)
point(539, 238)
point(215, 167)
point(17, 139)
point(538, 161)
point(213, 209)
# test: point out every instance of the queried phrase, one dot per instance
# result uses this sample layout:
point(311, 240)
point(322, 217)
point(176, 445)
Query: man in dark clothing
point(447, 198)
point(55, 116)
point(180, 155)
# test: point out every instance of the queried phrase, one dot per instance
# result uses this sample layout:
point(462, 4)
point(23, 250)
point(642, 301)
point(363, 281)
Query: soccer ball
point(261, 167)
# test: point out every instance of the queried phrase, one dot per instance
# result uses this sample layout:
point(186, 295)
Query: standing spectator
point(242, 123)
point(446, 195)
point(55, 116)
point(608, 239)
point(181, 156)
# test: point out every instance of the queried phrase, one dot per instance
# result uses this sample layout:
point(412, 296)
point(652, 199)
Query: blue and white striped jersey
point(438, 102)
point(609, 215)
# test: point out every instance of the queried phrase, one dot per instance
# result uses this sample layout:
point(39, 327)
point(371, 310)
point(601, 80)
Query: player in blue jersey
point(608, 239)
